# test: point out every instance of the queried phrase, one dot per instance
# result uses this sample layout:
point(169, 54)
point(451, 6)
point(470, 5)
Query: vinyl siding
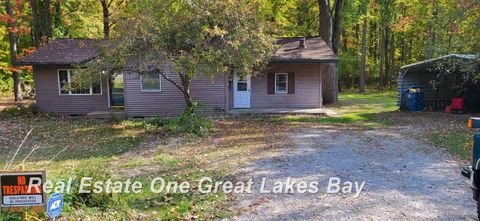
point(49, 100)
point(307, 88)
point(169, 102)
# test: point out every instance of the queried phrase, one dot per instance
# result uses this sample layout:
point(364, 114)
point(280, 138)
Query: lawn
point(139, 150)
point(354, 108)
point(142, 150)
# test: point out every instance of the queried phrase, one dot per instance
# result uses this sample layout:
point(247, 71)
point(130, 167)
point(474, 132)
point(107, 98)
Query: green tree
point(200, 37)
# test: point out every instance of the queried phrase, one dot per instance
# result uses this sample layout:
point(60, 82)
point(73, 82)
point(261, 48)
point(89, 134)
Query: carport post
point(401, 88)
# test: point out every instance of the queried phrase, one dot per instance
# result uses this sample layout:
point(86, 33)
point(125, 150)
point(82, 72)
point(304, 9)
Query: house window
point(71, 83)
point(281, 83)
point(151, 82)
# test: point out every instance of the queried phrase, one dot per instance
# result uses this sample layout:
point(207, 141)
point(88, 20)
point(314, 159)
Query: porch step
point(106, 114)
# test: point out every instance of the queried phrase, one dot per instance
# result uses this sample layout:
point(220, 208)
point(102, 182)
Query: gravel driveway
point(405, 179)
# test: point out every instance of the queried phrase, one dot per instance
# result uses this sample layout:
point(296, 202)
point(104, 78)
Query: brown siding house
point(293, 79)
point(169, 101)
point(49, 99)
point(65, 54)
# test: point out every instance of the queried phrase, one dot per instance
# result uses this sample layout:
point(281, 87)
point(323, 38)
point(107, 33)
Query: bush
point(10, 216)
point(19, 111)
point(102, 200)
point(190, 122)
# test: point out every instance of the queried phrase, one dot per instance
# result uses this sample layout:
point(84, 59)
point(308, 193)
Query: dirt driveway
point(405, 179)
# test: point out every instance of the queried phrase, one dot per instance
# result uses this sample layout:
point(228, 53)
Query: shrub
point(153, 122)
point(10, 216)
point(19, 111)
point(191, 121)
point(102, 200)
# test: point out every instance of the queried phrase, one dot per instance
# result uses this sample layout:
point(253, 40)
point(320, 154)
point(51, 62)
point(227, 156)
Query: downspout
point(321, 68)
point(109, 93)
point(227, 93)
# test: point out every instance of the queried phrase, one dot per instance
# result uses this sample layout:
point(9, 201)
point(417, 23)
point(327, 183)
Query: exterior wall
point(169, 102)
point(308, 88)
point(48, 98)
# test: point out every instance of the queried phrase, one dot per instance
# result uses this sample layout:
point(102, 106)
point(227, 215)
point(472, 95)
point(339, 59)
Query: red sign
point(22, 189)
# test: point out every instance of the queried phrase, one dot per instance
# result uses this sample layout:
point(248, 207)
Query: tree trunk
point(17, 91)
point(392, 63)
point(345, 40)
point(325, 21)
point(327, 25)
point(382, 58)
point(185, 88)
point(330, 83)
point(36, 30)
point(48, 21)
point(106, 19)
point(13, 50)
point(432, 32)
point(386, 59)
point(337, 25)
point(363, 56)
point(188, 98)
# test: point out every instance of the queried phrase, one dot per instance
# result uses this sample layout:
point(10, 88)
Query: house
point(293, 80)
point(423, 73)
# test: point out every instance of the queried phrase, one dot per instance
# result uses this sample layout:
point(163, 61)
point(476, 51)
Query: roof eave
point(456, 56)
point(20, 63)
point(303, 61)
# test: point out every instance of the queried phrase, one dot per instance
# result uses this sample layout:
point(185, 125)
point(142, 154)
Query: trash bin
point(415, 98)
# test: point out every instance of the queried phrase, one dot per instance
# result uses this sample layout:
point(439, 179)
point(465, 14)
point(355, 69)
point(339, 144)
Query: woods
point(382, 36)
point(372, 38)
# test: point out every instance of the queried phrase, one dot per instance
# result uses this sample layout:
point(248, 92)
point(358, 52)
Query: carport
point(422, 74)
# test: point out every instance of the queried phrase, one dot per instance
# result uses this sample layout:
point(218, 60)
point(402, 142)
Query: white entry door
point(241, 92)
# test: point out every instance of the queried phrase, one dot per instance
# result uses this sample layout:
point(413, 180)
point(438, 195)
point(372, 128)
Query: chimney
point(302, 43)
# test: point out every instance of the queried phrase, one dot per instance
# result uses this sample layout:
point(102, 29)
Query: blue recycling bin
point(415, 97)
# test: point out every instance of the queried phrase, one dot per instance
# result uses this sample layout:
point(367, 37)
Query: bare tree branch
point(171, 81)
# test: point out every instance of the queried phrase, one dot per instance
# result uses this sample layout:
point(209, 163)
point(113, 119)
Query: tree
point(364, 48)
point(222, 37)
point(107, 14)
point(461, 74)
point(331, 22)
point(41, 21)
point(330, 29)
point(11, 27)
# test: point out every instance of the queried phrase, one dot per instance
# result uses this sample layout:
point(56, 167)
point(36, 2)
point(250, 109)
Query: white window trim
point(70, 92)
point(286, 81)
point(151, 90)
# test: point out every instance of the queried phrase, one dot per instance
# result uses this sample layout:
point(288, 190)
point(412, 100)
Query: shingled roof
point(315, 51)
point(78, 51)
point(63, 51)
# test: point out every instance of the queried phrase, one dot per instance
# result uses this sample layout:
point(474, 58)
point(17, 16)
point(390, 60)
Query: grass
point(139, 150)
point(456, 142)
point(378, 109)
point(353, 108)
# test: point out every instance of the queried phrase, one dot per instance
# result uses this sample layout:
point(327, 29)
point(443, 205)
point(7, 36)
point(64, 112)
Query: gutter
point(52, 63)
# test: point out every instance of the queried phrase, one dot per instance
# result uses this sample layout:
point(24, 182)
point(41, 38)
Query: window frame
point(151, 90)
point(70, 91)
point(286, 83)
